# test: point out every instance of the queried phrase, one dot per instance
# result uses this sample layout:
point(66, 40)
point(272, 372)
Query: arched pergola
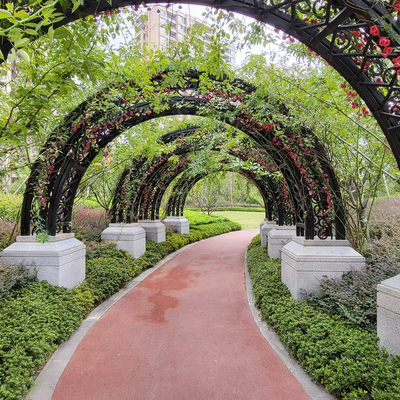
point(347, 34)
point(140, 189)
point(62, 163)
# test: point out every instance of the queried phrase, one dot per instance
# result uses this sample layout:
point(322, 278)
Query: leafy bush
point(87, 224)
point(14, 278)
point(354, 295)
point(8, 233)
point(10, 206)
point(345, 359)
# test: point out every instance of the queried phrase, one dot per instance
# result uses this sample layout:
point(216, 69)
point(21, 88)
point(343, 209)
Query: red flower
point(388, 50)
point(353, 95)
point(374, 30)
point(342, 86)
point(396, 6)
point(384, 41)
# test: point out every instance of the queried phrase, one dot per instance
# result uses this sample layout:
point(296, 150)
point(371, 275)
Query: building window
point(163, 39)
point(182, 28)
point(163, 21)
point(180, 36)
point(181, 19)
point(163, 30)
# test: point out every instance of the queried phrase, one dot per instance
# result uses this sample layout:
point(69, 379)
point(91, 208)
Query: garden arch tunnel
point(133, 200)
point(61, 165)
point(356, 38)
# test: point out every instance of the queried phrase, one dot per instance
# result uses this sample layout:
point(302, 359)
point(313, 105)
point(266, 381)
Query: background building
point(154, 33)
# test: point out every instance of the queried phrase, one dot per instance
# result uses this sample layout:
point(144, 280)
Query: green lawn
point(248, 220)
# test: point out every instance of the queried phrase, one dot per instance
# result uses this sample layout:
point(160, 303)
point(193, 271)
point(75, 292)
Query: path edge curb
point(316, 391)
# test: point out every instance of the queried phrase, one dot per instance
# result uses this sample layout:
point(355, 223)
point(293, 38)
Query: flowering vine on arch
point(94, 124)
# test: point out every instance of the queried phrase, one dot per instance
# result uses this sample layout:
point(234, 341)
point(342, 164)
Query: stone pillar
point(59, 261)
point(155, 230)
point(265, 227)
point(306, 262)
point(181, 224)
point(389, 315)
point(277, 238)
point(129, 237)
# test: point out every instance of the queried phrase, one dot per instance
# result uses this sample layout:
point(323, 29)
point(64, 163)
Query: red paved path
point(184, 333)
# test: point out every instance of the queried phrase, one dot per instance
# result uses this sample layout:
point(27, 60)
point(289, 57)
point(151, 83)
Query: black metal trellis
point(89, 132)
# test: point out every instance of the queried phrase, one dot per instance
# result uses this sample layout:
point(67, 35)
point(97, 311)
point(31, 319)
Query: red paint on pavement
point(185, 333)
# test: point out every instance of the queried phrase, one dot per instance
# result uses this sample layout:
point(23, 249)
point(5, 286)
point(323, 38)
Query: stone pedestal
point(155, 230)
point(265, 227)
point(129, 237)
point(389, 315)
point(306, 262)
point(59, 261)
point(181, 224)
point(277, 238)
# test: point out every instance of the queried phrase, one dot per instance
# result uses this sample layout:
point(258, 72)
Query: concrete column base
point(389, 315)
point(265, 228)
point(306, 262)
point(277, 238)
point(155, 230)
point(59, 261)
point(129, 237)
point(181, 224)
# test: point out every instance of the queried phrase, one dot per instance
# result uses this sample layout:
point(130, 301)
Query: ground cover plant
point(344, 358)
point(36, 316)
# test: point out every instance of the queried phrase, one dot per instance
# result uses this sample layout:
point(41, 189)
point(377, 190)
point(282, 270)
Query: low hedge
point(37, 317)
point(343, 358)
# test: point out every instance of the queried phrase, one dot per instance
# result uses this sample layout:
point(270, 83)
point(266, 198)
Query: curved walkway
point(185, 332)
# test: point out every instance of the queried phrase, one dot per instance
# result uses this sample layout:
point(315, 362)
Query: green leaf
point(31, 32)
point(24, 55)
point(22, 42)
point(51, 33)
point(5, 14)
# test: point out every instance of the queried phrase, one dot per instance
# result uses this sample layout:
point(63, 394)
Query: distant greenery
point(234, 208)
point(343, 358)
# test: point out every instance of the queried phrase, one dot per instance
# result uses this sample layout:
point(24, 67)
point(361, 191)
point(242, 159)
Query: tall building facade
point(153, 33)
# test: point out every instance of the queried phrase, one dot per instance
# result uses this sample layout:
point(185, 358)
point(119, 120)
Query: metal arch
point(325, 27)
point(161, 176)
point(178, 104)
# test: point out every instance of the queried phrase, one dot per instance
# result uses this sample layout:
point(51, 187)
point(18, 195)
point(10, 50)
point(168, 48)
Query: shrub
point(8, 233)
point(14, 278)
point(354, 295)
point(87, 224)
point(345, 359)
point(10, 206)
